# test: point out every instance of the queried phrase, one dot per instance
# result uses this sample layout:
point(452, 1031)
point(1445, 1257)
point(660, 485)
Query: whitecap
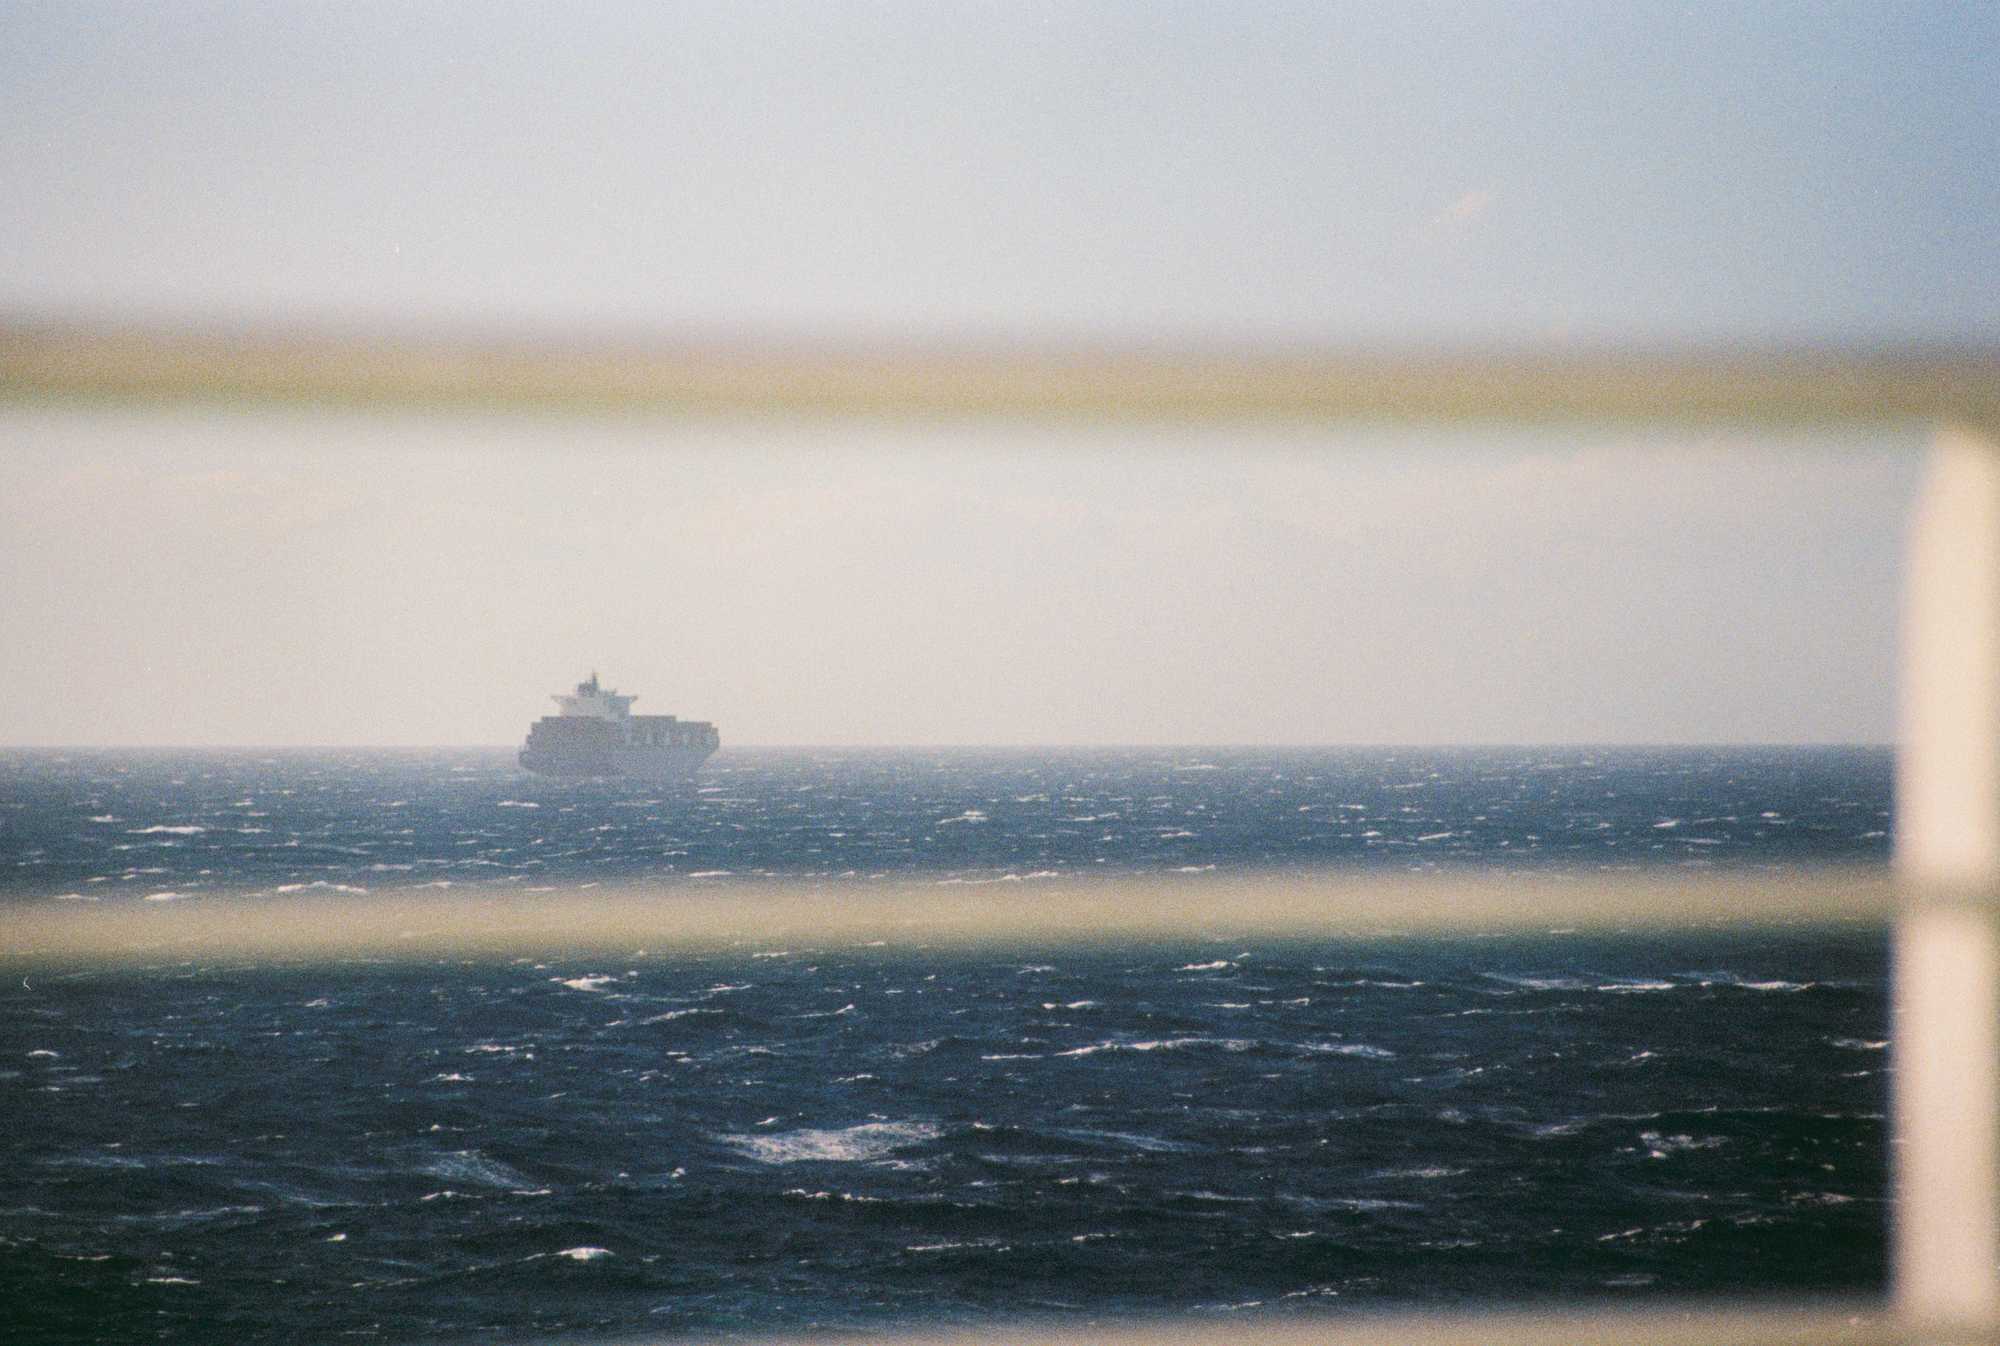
point(1361, 1049)
point(165, 896)
point(1150, 1144)
point(474, 1167)
point(1215, 966)
point(585, 1254)
point(856, 1197)
point(187, 830)
point(854, 1144)
point(1818, 1198)
point(594, 982)
point(1742, 983)
point(1539, 983)
point(1659, 1146)
point(1859, 1044)
point(1356, 1203)
point(677, 1014)
point(1161, 1045)
point(517, 804)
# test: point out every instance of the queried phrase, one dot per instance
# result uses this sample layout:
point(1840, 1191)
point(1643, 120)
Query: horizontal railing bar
point(1816, 1324)
point(701, 916)
point(417, 370)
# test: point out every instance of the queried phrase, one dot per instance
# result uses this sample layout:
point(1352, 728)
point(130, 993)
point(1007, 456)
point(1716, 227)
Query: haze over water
point(794, 1135)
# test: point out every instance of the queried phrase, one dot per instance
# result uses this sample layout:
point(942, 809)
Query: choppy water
point(846, 1137)
point(105, 825)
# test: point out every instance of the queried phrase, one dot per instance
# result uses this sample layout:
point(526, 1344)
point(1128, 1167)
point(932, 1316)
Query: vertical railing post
point(1947, 961)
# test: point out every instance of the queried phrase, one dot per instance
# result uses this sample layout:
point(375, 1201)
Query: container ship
point(598, 735)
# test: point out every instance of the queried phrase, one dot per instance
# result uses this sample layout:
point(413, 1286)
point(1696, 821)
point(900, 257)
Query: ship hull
point(645, 763)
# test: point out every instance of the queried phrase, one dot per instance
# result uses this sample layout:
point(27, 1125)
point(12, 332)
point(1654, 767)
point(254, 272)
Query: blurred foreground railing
point(1795, 387)
point(1946, 1146)
point(700, 916)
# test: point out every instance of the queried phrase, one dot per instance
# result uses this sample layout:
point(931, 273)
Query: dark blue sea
point(773, 1139)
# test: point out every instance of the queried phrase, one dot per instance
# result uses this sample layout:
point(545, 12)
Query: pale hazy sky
point(1456, 173)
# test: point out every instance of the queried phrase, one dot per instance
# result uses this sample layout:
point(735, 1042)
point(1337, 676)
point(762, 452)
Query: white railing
point(1946, 1136)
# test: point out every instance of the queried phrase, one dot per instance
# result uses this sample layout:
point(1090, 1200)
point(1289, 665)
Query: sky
point(1402, 176)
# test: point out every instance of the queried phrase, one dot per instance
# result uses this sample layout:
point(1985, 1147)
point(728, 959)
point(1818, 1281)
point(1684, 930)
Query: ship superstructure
point(598, 735)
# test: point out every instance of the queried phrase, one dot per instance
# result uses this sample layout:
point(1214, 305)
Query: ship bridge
point(597, 702)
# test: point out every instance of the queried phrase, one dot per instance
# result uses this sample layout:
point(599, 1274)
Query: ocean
point(768, 1139)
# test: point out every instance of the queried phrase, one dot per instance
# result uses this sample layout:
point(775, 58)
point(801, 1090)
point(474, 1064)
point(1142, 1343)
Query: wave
point(670, 1015)
point(1131, 1140)
point(1161, 1045)
point(473, 1167)
point(1539, 983)
point(1361, 1049)
point(866, 1143)
point(1740, 982)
